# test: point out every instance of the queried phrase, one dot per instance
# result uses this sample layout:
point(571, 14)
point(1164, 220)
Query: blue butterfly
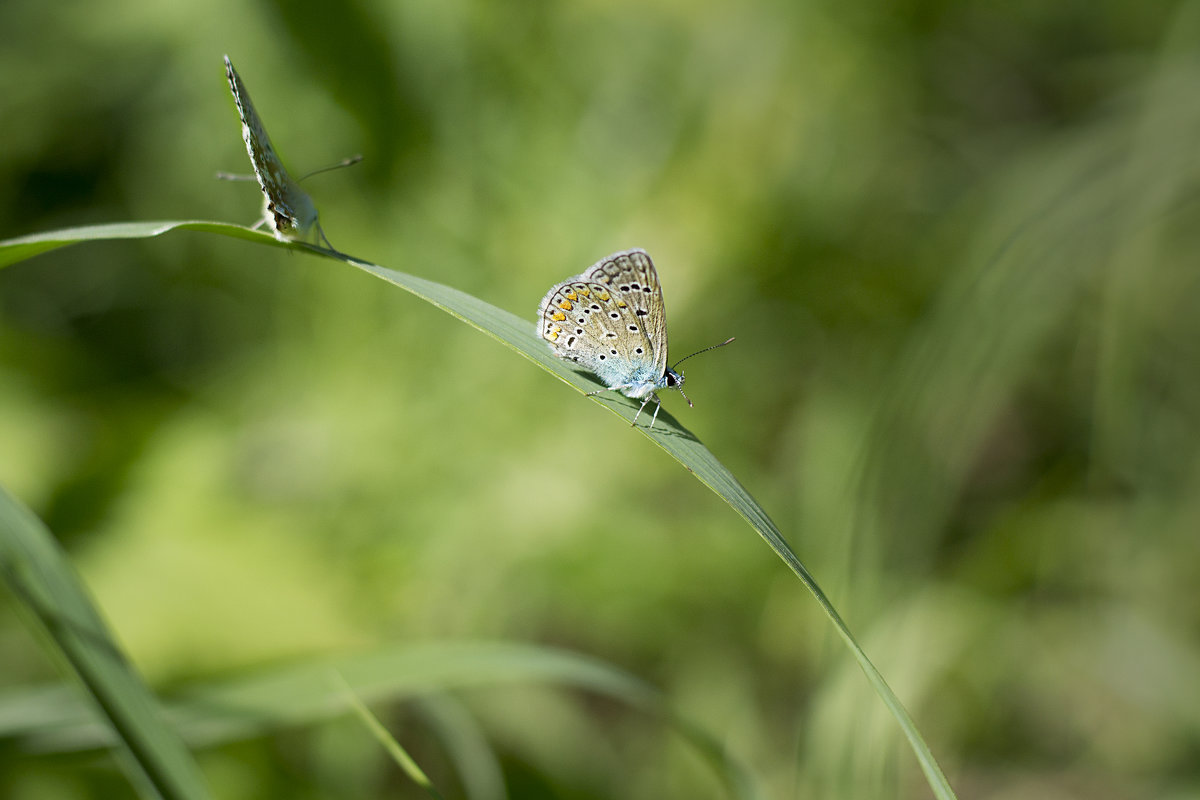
point(611, 320)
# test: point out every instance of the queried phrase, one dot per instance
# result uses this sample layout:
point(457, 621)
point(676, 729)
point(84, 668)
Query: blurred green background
point(957, 243)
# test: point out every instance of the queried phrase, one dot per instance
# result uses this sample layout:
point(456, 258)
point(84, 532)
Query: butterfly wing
point(611, 320)
point(289, 208)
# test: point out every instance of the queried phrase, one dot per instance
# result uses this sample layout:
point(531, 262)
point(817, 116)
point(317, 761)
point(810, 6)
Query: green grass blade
point(467, 746)
point(40, 575)
point(381, 734)
point(683, 446)
point(519, 334)
point(48, 720)
point(23, 247)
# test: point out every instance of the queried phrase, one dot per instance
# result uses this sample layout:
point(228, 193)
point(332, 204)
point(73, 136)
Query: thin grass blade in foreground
point(39, 573)
point(475, 759)
point(47, 720)
point(520, 335)
point(381, 734)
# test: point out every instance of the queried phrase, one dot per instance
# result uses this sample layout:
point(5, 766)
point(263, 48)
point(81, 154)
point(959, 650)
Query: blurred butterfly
point(611, 320)
point(286, 207)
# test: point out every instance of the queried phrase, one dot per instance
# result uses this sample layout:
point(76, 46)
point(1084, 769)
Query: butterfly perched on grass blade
point(287, 208)
point(611, 319)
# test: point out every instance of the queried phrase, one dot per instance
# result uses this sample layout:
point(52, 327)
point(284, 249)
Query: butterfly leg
point(649, 397)
point(657, 406)
point(619, 388)
point(609, 389)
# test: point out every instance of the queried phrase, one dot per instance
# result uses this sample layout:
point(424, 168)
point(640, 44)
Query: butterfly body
point(287, 208)
point(611, 320)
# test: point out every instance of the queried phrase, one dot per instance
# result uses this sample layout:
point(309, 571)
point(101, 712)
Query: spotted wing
point(611, 320)
point(631, 273)
point(289, 208)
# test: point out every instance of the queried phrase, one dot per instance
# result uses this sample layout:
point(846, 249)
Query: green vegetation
point(956, 246)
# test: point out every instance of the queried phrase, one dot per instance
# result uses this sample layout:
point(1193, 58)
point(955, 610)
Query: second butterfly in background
point(611, 319)
point(286, 207)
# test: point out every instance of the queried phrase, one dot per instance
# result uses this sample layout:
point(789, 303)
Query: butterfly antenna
point(698, 352)
point(345, 162)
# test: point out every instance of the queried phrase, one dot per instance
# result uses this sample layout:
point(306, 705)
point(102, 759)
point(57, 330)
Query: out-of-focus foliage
point(956, 242)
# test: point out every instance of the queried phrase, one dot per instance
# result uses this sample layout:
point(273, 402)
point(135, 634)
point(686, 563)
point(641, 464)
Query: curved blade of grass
point(21, 248)
point(301, 694)
point(519, 334)
point(684, 447)
point(467, 747)
point(385, 738)
point(39, 573)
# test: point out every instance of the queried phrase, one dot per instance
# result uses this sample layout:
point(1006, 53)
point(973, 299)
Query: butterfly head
point(292, 216)
point(674, 380)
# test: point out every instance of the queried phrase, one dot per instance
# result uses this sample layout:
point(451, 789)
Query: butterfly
point(611, 320)
point(286, 207)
